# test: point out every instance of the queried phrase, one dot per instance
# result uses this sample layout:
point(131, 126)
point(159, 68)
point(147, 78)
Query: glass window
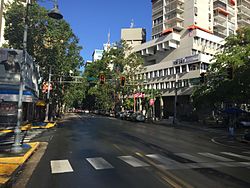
point(184, 68)
point(177, 70)
point(171, 71)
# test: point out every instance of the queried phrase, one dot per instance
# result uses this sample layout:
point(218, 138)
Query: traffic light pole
point(48, 95)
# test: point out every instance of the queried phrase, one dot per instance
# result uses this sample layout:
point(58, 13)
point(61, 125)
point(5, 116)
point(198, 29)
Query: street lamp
point(55, 14)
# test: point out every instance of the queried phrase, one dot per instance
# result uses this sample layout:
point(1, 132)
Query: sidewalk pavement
point(10, 163)
point(222, 132)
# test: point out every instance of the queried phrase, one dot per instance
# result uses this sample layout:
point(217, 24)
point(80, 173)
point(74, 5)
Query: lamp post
point(54, 13)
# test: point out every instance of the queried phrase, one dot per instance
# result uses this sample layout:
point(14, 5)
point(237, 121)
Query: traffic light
point(123, 80)
point(230, 73)
point(102, 79)
point(202, 77)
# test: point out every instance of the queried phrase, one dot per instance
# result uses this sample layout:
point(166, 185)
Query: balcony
point(243, 14)
point(163, 43)
point(220, 17)
point(243, 8)
point(176, 17)
point(243, 22)
point(176, 25)
point(175, 1)
point(220, 33)
point(221, 25)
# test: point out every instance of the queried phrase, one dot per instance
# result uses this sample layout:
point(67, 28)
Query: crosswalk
point(194, 161)
point(25, 136)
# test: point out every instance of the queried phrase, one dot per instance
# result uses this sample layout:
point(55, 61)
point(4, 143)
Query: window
point(195, 11)
point(184, 68)
point(166, 72)
point(171, 71)
point(177, 70)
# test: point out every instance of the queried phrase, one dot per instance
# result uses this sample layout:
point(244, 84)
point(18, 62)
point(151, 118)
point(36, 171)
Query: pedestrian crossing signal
point(102, 79)
point(123, 80)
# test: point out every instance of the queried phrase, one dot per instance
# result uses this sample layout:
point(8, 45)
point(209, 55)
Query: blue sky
point(91, 20)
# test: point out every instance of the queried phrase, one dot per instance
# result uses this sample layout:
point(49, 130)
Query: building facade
point(133, 36)
point(243, 13)
point(10, 63)
point(97, 55)
point(186, 34)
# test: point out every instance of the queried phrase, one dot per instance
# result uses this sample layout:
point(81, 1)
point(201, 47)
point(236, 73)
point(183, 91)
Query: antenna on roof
point(132, 24)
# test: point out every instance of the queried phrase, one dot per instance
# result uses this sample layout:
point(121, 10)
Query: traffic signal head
point(123, 80)
point(102, 79)
point(202, 77)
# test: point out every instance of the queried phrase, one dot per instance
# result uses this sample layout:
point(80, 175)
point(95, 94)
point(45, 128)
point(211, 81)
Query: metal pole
point(17, 146)
point(175, 99)
point(48, 94)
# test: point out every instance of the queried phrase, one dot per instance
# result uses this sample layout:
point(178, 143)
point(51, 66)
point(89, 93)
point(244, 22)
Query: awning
point(192, 27)
point(13, 95)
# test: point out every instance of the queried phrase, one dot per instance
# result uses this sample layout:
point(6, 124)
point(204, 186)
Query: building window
point(171, 71)
point(166, 72)
point(177, 70)
point(184, 68)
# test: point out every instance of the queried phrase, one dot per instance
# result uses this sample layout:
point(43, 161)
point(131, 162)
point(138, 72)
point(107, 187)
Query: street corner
point(50, 125)
point(10, 164)
point(43, 125)
point(236, 141)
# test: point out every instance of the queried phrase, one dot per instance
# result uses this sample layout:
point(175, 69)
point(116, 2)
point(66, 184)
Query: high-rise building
point(243, 12)
point(186, 34)
point(97, 55)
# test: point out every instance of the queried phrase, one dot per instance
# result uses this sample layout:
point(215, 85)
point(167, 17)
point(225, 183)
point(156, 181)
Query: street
point(98, 152)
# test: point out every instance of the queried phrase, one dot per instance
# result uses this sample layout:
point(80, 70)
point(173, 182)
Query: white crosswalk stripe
point(167, 162)
point(236, 155)
point(99, 163)
point(132, 161)
point(216, 157)
point(191, 157)
point(247, 152)
point(60, 166)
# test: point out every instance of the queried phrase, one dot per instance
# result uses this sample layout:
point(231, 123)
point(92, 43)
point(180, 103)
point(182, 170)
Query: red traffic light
point(123, 80)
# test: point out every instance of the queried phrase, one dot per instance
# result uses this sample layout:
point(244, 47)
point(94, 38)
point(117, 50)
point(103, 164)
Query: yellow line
point(170, 178)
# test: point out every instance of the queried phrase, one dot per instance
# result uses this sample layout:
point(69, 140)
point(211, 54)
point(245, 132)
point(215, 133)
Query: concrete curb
point(29, 126)
point(9, 166)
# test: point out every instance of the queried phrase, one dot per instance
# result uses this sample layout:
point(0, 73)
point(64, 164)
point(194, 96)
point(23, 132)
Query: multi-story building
point(243, 12)
point(97, 55)
point(186, 34)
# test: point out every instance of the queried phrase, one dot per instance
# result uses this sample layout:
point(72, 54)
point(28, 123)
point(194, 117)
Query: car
point(128, 114)
point(138, 116)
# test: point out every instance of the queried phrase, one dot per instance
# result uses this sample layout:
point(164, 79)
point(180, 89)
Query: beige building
point(133, 36)
point(243, 12)
point(186, 34)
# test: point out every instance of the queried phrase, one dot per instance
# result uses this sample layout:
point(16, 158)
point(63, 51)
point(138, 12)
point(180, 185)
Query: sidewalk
point(221, 132)
point(10, 163)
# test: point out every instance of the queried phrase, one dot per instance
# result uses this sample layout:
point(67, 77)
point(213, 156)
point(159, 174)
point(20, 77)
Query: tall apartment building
point(133, 36)
point(186, 34)
point(243, 12)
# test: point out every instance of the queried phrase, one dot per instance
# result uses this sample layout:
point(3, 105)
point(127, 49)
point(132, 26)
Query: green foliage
point(218, 87)
point(116, 62)
point(51, 42)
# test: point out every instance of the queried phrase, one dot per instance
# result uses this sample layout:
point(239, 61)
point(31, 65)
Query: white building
point(186, 34)
point(97, 55)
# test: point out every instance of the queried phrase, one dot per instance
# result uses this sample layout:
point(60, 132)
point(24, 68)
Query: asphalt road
point(101, 152)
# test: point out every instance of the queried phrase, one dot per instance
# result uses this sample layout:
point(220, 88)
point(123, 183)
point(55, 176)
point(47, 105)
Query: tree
point(116, 62)
point(50, 42)
point(222, 87)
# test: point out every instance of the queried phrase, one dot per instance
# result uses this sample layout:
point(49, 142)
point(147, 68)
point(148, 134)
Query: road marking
point(168, 163)
point(217, 157)
point(60, 166)
point(247, 152)
point(236, 155)
point(99, 163)
point(190, 157)
point(133, 161)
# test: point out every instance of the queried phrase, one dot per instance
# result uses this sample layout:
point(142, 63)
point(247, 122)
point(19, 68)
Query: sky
point(91, 20)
